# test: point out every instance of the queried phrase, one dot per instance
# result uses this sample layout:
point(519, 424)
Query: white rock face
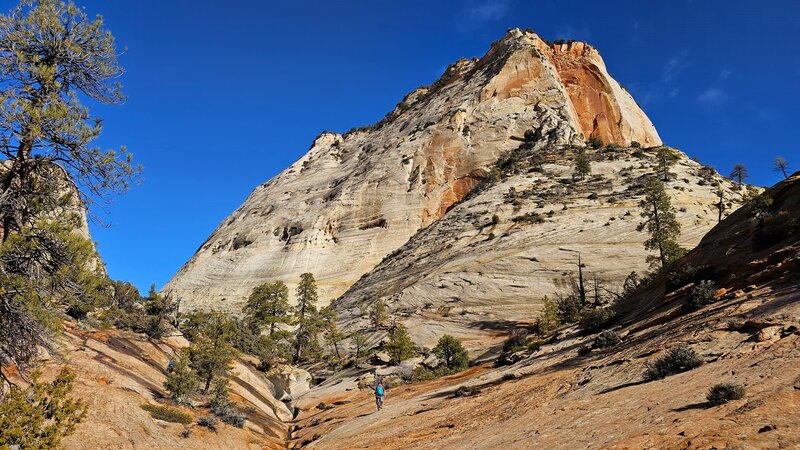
point(354, 198)
point(481, 271)
point(289, 382)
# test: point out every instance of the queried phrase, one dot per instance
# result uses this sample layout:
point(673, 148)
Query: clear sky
point(224, 95)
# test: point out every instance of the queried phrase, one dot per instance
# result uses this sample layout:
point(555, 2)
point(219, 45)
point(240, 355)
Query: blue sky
point(224, 95)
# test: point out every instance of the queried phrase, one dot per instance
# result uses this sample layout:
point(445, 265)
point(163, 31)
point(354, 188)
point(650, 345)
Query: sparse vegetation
point(660, 223)
point(606, 339)
point(209, 422)
point(399, 348)
point(724, 392)
point(306, 342)
point(594, 319)
point(569, 309)
point(739, 173)
point(583, 166)
point(665, 159)
point(782, 166)
point(451, 353)
point(39, 416)
point(378, 315)
point(685, 274)
point(268, 306)
point(759, 205)
point(704, 293)
point(530, 217)
point(182, 381)
point(548, 319)
point(167, 413)
point(466, 391)
point(677, 359)
point(222, 406)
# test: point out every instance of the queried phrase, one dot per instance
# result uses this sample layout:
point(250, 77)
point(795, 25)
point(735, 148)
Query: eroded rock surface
point(487, 265)
point(560, 397)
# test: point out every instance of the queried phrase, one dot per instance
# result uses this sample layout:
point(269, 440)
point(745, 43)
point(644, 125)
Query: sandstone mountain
point(356, 197)
point(567, 394)
point(486, 266)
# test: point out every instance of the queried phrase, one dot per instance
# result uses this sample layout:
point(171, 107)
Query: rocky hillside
point(570, 393)
point(354, 198)
point(487, 265)
point(119, 373)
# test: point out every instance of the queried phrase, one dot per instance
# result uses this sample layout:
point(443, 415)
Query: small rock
point(766, 428)
point(768, 333)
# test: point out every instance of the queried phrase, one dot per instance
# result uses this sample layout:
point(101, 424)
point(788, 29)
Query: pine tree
point(399, 348)
point(660, 223)
point(307, 321)
point(721, 207)
point(548, 319)
point(39, 416)
point(782, 166)
point(330, 330)
point(51, 58)
point(739, 173)
point(210, 358)
point(665, 158)
point(268, 306)
point(378, 315)
point(360, 342)
point(181, 381)
point(583, 166)
point(451, 353)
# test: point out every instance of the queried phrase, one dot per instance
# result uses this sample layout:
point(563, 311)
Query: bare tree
point(782, 166)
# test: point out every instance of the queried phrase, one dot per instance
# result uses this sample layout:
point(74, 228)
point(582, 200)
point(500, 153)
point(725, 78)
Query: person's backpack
point(379, 390)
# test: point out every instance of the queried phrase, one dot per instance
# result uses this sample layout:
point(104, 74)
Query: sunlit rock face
point(354, 198)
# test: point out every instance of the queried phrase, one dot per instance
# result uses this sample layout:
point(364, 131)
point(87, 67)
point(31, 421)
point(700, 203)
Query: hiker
point(379, 394)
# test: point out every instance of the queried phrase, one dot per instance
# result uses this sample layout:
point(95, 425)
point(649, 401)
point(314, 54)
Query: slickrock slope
point(482, 269)
point(558, 399)
point(354, 198)
point(119, 371)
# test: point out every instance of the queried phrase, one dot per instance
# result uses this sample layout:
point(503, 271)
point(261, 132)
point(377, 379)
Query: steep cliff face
point(354, 198)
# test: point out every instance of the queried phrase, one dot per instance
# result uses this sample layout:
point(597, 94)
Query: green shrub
point(209, 422)
point(40, 415)
point(399, 347)
point(725, 392)
point(676, 360)
point(594, 143)
point(606, 339)
point(167, 414)
point(466, 391)
point(534, 345)
point(703, 294)
point(181, 381)
point(531, 217)
point(451, 353)
point(222, 406)
point(568, 309)
point(592, 320)
point(688, 273)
